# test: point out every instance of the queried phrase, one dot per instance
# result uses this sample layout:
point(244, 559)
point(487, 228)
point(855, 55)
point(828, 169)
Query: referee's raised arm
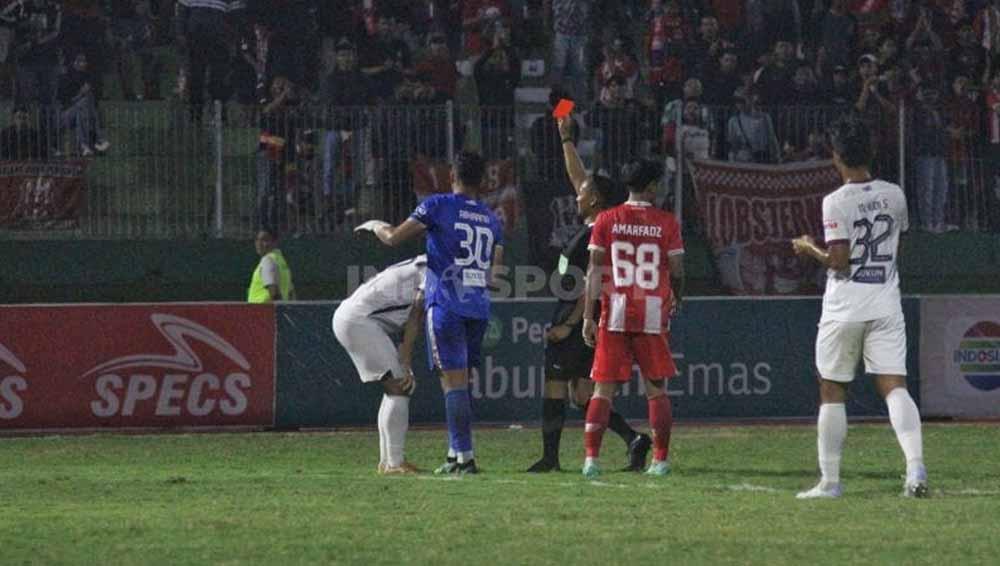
point(574, 166)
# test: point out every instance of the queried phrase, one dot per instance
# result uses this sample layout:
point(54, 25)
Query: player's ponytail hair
point(610, 192)
point(851, 140)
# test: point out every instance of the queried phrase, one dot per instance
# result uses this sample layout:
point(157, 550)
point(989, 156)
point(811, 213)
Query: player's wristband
point(567, 140)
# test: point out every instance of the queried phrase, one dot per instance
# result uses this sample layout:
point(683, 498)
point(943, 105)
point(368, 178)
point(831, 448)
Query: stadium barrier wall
point(737, 359)
point(220, 365)
point(136, 366)
point(960, 356)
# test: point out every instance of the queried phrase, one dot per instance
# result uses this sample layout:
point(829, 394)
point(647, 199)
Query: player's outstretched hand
point(590, 333)
point(802, 244)
point(371, 226)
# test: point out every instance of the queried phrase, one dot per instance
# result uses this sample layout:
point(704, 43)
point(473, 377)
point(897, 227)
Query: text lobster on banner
point(750, 214)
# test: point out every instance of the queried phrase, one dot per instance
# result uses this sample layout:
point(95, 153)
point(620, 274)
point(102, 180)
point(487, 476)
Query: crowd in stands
point(744, 80)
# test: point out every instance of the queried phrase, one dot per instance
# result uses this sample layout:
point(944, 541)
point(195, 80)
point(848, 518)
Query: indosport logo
point(978, 356)
point(176, 383)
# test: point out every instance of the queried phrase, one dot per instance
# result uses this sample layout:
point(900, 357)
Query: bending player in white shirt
point(365, 323)
point(862, 311)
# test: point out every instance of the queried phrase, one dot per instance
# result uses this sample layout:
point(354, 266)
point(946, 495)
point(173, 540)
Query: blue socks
point(459, 410)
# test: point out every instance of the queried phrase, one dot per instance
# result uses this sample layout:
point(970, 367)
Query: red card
point(563, 109)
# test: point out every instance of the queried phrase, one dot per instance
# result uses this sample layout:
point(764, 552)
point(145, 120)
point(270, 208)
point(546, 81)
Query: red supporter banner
point(751, 213)
point(41, 195)
point(136, 366)
point(500, 184)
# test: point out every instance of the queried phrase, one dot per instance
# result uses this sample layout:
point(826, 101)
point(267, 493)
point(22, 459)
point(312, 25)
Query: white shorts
point(840, 346)
point(370, 346)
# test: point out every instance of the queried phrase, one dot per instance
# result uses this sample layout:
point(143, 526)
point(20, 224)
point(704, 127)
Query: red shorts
point(617, 350)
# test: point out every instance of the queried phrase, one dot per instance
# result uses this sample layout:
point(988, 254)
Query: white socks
point(393, 421)
point(383, 412)
point(905, 419)
point(831, 427)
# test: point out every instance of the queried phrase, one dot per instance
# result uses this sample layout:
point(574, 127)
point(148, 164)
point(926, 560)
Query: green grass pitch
point(286, 498)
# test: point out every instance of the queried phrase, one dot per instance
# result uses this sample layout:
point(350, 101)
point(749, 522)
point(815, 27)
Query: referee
point(567, 358)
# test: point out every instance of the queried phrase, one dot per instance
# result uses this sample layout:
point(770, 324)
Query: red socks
point(598, 413)
point(661, 420)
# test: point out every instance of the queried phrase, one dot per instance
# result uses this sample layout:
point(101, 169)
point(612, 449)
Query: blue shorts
point(453, 341)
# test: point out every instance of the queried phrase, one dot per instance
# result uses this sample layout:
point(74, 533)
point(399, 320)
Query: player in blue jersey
point(464, 247)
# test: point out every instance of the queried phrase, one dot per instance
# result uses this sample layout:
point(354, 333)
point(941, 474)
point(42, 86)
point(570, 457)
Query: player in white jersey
point(862, 313)
point(365, 323)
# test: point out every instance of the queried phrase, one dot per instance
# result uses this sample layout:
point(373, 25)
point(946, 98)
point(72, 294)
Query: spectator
point(704, 52)
point(815, 149)
point(750, 134)
point(79, 108)
point(617, 63)
point(276, 150)
point(621, 122)
point(729, 13)
point(694, 135)
point(479, 17)
point(439, 66)
point(302, 178)
point(964, 116)
point(868, 81)
point(546, 143)
point(497, 73)
point(666, 46)
point(775, 80)
point(987, 28)
point(772, 21)
point(967, 57)
point(673, 111)
point(20, 141)
point(722, 80)
point(38, 26)
point(571, 23)
point(838, 33)
point(805, 87)
point(871, 40)
point(132, 37)
point(838, 90)
point(926, 47)
point(992, 101)
point(929, 149)
point(269, 54)
point(199, 25)
point(344, 92)
point(888, 53)
point(385, 60)
point(346, 85)
point(83, 20)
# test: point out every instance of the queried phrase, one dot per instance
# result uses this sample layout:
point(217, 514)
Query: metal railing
point(306, 170)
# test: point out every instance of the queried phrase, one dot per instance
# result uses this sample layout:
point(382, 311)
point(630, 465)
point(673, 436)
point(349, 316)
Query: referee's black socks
point(553, 419)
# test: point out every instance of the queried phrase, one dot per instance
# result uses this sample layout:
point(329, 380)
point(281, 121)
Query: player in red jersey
point(636, 253)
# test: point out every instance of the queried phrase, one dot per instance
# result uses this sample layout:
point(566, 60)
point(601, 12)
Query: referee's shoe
point(638, 449)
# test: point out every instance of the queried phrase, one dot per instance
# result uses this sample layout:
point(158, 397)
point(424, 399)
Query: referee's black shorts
point(569, 359)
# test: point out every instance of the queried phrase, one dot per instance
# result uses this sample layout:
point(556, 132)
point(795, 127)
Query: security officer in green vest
point(272, 280)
